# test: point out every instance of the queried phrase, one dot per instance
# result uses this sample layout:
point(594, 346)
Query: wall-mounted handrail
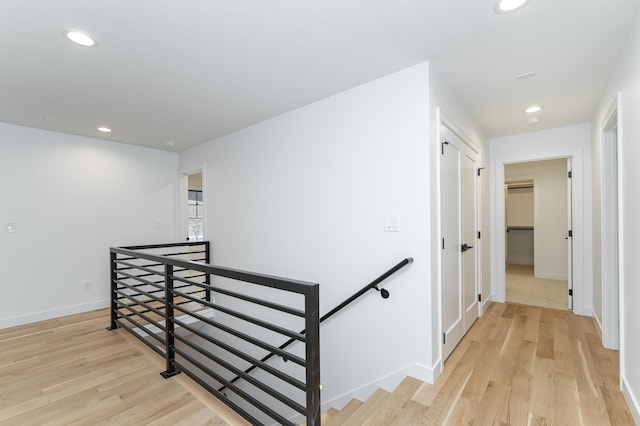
point(373, 285)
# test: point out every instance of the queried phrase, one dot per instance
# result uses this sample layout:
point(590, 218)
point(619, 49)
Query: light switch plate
point(9, 227)
point(391, 224)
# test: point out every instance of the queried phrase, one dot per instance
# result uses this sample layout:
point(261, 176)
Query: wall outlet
point(87, 286)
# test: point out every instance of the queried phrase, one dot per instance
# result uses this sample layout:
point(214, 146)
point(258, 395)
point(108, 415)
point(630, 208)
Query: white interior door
point(450, 204)
point(469, 249)
point(569, 236)
point(458, 198)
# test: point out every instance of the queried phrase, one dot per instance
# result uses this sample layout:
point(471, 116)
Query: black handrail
point(372, 285)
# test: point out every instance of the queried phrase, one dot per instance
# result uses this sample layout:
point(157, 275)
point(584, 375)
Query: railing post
point(114, 286)
point(312, 331)
point(169, 353)
point(207, 278)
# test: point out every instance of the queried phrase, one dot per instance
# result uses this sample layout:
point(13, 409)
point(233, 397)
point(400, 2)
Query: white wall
point(444, 104)
point(549, 214)
point(304, 196)
point(570, 141)
point(626, 79)
point(71, 198)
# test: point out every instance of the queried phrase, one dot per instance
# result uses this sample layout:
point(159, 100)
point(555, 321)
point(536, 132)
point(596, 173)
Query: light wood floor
point(72, 371)
point(523, 365)
point(522, 287)
point(518, 365)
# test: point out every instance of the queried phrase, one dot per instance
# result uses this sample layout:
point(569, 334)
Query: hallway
point(518, 365)
point(522, 365)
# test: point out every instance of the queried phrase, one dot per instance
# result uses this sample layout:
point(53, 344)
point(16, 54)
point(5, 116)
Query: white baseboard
point(517, 260)
point(597, 322)
point(388, 382)
point(437, 370)
point(53, 313)
point(551, 276)
point(485, 303)
point(632, 401)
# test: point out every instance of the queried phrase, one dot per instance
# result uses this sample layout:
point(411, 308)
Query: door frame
point(536, 225)
point(443, 120)
point(611, 237)
point(518, 153)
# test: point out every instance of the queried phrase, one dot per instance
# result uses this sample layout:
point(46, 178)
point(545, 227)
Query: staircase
point(382, 408)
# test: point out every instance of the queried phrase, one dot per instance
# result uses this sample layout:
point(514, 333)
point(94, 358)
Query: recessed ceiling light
point(80, 38)
point(170, 144)
point(533, 121)
point(533, 108)
point(508, 6)
point(104, 129)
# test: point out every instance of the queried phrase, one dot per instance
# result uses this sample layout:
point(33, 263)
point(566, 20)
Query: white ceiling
point(190, 71)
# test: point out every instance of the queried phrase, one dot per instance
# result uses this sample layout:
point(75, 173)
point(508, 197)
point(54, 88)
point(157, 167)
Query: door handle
point(465, 247)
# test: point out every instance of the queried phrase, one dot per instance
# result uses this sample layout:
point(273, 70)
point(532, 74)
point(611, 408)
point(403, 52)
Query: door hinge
point(480, 168)
point(443, 144)
point(570, 174)
point(570, 234)
point(444, 338)
point(570, 292)
point(479, 298)
point(478, 234)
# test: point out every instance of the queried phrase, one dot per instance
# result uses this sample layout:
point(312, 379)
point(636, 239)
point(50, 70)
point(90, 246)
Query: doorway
point(537, 238)
point(193, 207)
point(571, 142)
point(459, 226)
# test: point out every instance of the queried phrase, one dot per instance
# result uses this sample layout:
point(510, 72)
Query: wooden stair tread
point(412, 413)
point(325, 419)
point(331, 413)
point(387, 412)
point(342, 415)
point(369, 408)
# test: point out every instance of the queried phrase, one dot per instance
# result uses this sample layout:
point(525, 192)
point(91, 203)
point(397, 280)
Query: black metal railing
point(373, 285)
point(215, 331)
